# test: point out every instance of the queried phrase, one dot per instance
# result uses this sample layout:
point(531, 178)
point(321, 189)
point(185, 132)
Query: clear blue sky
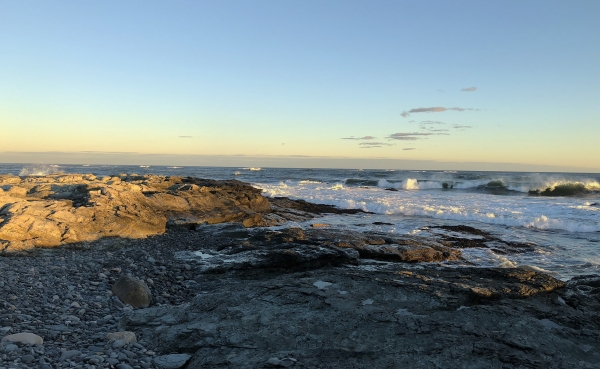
point(181, 82)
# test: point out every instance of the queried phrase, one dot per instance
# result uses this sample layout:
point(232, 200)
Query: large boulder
point(132, 291)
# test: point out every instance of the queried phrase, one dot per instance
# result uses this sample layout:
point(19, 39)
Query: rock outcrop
point(59, 209)
point(295, 248)
point(376, 316)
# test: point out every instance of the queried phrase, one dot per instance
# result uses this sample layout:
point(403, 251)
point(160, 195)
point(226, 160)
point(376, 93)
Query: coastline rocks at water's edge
point(295, 248)
point(232, 296)
point(365, 311)
point(64, 209)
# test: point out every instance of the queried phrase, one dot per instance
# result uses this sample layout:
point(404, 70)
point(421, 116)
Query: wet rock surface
point(234, 297)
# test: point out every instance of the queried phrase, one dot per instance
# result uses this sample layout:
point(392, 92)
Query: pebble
point(124, 336)
point(70, 354)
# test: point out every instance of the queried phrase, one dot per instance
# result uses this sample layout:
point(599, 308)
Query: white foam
point(532, 212)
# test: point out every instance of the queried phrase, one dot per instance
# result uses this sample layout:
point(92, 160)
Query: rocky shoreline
point(239, 295)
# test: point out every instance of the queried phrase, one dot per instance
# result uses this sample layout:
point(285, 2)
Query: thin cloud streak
point(469, 89)
point(359, 138)
point(405, 136)
point(435, 109)
point(375, 143)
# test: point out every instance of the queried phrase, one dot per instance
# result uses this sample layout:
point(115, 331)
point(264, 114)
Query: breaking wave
point(40, 170)
point(523, 211)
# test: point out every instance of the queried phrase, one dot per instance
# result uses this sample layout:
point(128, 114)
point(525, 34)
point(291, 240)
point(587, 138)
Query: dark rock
point(384, 316)
point(307, 207)
point(173, 361)
point(132, 291)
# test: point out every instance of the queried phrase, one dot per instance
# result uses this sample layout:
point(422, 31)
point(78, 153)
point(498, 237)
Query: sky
point(498, 85)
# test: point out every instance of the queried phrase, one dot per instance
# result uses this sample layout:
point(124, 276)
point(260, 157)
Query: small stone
point(70, 354)
point(118, 344)
point(124, 336)
point(102, 276)
point(124, 366)
point(151, 259)
point(173, 361)
point(27, 358)
point(95, 359)
point(75, 305)
point(112, 361)
point(187, 266)
point(29, 338)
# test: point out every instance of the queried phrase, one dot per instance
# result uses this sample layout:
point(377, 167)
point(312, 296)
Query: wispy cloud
point(359, 138)
point(406, 136)
point(186, 136)
point(435, 109)
point(469, 89)
point(431, 122)
point(409, 148)
point(375, 143)
point(435, 130)
point(458, 126)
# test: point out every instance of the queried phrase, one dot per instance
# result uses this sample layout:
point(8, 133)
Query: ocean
point(557, 213)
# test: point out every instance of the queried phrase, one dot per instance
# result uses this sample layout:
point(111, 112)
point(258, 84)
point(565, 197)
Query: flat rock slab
point(355, 316)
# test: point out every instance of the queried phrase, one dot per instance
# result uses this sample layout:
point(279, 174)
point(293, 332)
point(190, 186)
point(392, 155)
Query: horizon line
point(271, 161)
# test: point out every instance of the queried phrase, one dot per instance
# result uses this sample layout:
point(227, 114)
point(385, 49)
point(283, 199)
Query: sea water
point(558, 213)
